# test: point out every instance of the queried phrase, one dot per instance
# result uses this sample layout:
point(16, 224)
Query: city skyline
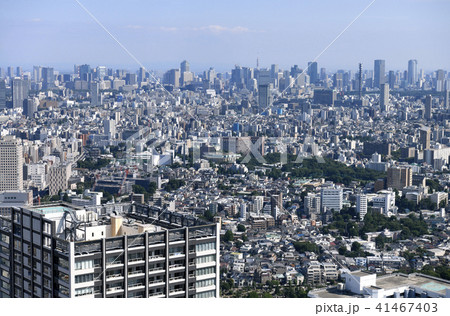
point(214, 36)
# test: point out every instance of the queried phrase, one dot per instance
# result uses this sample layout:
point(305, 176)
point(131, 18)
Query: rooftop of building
point(114, 220)
point(389, 282)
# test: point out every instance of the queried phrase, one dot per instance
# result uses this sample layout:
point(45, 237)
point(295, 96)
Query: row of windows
point(204, 271)
point(205, 283)
point(205, 259)
point(84, 278)
point(84, 291)
point(85, 264)
point(206, 294)
point(205, 246)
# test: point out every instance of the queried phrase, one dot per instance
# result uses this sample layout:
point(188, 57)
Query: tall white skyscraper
point(332, 198)
point(412, 72)
point(110, 128)
point(11, 164)
point(361, 206)
point(384, 97)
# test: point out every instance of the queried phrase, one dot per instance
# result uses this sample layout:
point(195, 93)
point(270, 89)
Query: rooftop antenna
point(257, 62)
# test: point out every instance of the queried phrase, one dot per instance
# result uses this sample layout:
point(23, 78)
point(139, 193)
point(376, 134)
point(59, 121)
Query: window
point(36, 224)
point(4, 261)
point(206, 294)
point(173, 251)
point(36, 252)
point(205, 246)
point(46, 257)
point(27, 249)
point(5, 273)
point(4, 238)
point(84, 278)
point(84, 291)
point(63, 276)
point(47, 228)
point(204, 271)
point(205, 259)
point(47, 242)
point(205, 283)
point(4, 250)
point(85, 264)
point(18, 245)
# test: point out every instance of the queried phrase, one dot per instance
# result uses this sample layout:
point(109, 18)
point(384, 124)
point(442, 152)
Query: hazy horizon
point(220, 35)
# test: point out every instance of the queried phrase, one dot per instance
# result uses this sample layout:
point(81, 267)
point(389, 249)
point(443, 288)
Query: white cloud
point(36, 20)
point(221, 29)
point(168, 29)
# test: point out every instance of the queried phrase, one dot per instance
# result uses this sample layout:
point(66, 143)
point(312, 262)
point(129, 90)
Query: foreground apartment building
point(141, 251)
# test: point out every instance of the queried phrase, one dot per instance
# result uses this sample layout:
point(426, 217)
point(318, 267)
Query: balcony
point(156, 270)
point(136, 286)
point(176, 280)
point(176, 255)
point(156, 258)
point(176, 292)
point(158, 282)
point(114, 290)
point(113, 277)
point(133, 274)
point(135, 261)
point(156, 295)
point(114, 264)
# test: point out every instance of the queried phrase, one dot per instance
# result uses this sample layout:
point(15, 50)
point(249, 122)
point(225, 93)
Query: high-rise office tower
point(59, 178)
point(66, 251)
point(101, 72)
point(131, 79)
point(391, 79)
point(273, 71)
point(412, 72)
point(428, 107)
point(110, 128)
point(142, 74)
point(276, 204)
point(312, 72)
point(29, 107)
point(379, 73)
point(37, 73)
point(425, 137)
point(19, 92)
point(361, 206)
point(85, 72)
point(384, 97)
point(11, 72)
point(2, 94)
point(172, 77)
point(11, 163)
point(19, 72)
point(264, 97)
point(95, 95)
point(323, 74)
point(399, 178)
point(331, 198)
point(439, 82)
point(48, 78)
point(184, 66)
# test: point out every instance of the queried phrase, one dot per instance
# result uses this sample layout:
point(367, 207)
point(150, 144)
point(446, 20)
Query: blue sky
point(224, 33)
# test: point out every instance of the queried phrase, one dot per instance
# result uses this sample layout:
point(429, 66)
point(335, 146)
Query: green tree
point(228, 236)
point(240, 228)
